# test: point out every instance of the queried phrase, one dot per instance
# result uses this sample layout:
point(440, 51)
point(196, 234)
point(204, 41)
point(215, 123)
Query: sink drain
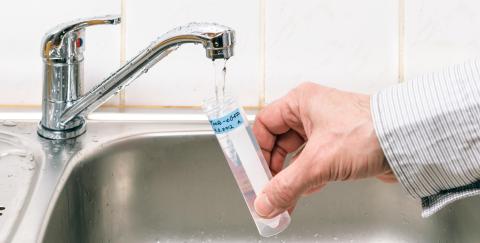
point(1, 209)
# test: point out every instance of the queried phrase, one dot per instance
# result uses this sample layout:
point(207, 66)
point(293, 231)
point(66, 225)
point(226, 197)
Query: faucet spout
point(217, 40)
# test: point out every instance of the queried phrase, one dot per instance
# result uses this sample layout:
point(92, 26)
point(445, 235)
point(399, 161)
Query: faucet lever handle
point(64, 43)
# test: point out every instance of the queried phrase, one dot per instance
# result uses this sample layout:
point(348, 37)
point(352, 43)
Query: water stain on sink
point(18, 165)
point(7, 123)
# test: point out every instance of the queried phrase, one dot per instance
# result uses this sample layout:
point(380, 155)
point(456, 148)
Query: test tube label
point(228, 122)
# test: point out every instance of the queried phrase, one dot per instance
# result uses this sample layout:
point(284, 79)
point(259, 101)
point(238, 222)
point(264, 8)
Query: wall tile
point(347, 44)
point(185, 77)
point(23, 25)
point(440, 33)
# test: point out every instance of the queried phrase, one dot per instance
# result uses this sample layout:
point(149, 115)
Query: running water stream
point(220, 73)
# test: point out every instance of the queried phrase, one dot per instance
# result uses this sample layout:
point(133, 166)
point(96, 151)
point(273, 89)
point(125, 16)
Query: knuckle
point(306, 85)
point(284, 193)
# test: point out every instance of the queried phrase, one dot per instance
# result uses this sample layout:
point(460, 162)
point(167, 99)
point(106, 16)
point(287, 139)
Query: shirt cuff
point(428, 129)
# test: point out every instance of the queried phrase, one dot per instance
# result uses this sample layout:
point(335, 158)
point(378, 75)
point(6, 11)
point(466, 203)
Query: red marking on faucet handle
point(79, 42)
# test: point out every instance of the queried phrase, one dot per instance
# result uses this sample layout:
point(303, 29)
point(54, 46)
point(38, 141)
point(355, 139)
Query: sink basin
point(178, 188)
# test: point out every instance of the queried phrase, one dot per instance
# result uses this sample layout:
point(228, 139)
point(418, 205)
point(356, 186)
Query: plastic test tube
point(244, 157)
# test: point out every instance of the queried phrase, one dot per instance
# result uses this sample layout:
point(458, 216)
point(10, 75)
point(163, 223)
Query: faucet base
point(61, 134)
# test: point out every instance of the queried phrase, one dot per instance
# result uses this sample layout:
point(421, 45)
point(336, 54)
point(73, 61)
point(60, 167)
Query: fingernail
point(263, 206)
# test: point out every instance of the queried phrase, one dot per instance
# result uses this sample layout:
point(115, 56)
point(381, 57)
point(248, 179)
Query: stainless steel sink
point(169, 182)
point(176, 187)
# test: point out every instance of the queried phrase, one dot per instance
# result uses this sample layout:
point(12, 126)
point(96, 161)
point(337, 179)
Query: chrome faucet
point(64, 107)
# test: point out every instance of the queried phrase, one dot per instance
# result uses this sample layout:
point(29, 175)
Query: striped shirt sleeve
point(429, 130)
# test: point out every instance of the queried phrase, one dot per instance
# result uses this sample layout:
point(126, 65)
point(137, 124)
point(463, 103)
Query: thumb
point(284, 189)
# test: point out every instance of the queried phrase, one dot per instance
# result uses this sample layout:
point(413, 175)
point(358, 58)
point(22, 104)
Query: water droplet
point(16, 152)
point(9, 123)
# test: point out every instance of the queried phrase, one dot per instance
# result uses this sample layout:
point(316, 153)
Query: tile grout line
point(401, 41)
point(108, 106)
point(123, 30)
point(262, 54)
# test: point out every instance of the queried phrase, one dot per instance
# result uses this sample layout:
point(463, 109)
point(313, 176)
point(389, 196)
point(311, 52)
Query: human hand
point(340, 144)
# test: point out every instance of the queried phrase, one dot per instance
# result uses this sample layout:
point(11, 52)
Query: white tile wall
point(347, 44)
point(185, 77)
point(440, 33)
point(23, 25)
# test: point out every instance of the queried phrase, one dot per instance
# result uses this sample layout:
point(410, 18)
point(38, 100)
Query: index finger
point(276, 119)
